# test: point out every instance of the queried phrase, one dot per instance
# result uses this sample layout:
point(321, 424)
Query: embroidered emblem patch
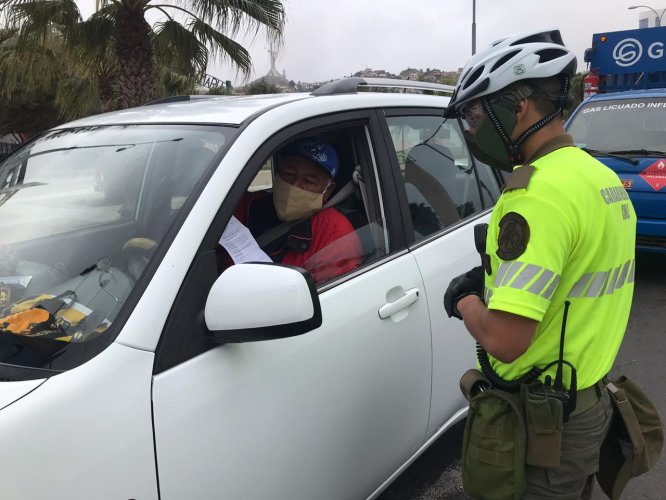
point(514, 234)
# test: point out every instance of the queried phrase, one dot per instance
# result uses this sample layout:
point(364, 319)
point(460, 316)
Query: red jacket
point(325, 245)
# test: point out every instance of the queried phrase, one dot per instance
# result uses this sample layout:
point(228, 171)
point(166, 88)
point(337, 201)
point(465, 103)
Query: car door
point(445, 193)
point(328, 414)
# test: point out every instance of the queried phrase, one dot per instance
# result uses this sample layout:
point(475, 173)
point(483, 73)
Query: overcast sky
point(327, 40)
point(332, 39)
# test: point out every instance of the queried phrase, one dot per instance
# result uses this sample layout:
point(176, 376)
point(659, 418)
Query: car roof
point(232, 110)
point(235, 110)
point(631, 94)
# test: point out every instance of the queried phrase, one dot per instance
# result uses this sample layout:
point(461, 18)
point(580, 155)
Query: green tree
point(576, 93)
point(448, 80)
point(132, 61)
point(261, 87)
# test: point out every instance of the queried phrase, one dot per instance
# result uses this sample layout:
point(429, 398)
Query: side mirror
point(261, 301)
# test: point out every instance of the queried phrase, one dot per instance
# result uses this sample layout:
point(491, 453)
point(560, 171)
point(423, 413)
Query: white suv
point(136, 363)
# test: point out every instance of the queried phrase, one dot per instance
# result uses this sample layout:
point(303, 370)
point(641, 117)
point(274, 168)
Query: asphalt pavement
point(436, 474)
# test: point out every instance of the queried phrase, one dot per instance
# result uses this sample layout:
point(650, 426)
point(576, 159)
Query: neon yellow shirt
point(569, 236)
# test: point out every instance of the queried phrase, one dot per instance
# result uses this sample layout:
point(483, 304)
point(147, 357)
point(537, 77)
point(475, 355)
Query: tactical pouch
point(543, 419)
point(493, 451)
point(634, 441)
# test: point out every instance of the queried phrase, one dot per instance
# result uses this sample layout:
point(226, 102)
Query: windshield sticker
point(16, 280)
point(5, 295)
point(620, 106)
point(655, 175)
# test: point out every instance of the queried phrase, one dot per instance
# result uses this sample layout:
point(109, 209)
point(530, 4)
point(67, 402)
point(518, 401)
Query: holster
point(472, 382)
point(543, 419)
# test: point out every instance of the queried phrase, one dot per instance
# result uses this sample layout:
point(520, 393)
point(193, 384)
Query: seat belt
point(274, 233)
point(375, 228)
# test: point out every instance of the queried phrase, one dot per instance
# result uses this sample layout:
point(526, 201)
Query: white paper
point(241, 245)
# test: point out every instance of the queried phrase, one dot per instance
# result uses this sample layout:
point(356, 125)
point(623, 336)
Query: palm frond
point(29, 69)
point(175, 43)
point(95, 36)
point(222, 46)
point(232, 15)
point(174, 83)
point(37, 17)
point(77, 97)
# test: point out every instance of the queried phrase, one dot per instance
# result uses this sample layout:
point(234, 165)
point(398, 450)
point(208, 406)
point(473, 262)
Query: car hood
point(13, 391)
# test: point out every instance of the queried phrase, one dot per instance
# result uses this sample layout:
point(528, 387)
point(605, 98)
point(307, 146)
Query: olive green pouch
point(493, 454)
point(543, 419)
point(635, 439)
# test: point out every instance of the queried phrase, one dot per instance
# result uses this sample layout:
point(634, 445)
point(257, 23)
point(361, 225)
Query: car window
point(348, 232)
point(82, 212)
point(439, 177)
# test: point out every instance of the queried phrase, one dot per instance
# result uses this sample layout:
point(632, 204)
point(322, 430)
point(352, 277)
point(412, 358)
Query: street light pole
point(473, 27)
point(657, 17)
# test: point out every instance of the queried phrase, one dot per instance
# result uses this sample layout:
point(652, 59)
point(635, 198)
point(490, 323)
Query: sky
point(328, 40)
point(333, 39)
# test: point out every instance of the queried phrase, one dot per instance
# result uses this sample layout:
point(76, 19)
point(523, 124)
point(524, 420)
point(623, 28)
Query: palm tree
point(133, 61)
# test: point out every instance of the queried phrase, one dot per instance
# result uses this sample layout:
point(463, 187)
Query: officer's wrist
point(467, 303)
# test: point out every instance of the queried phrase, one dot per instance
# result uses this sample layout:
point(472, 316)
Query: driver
point(320, 240)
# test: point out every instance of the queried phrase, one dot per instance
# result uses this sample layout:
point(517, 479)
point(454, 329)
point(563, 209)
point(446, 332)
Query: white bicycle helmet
point(533, 54)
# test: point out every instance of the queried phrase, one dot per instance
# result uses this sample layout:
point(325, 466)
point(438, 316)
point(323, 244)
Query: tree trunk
point(137, 75)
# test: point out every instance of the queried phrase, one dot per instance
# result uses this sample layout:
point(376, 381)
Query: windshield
point(621, 125)
point(82, 212)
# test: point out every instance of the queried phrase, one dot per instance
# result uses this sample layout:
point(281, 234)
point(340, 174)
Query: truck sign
point(630, 51)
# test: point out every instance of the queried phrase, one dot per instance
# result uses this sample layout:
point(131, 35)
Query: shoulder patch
point(514, 234)
point(520, 178)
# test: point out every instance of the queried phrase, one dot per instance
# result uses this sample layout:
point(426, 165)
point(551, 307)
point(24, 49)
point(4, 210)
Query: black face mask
point(487, 144)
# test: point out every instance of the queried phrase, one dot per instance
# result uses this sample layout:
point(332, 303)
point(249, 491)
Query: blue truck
point(623, 121)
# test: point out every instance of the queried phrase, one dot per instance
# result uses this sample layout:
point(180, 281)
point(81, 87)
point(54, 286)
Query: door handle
point(390, 308)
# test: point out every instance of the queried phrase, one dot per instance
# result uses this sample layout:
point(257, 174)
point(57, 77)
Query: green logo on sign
point(519, 70)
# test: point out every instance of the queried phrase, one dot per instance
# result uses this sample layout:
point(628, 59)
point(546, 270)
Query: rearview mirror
point(261, 301)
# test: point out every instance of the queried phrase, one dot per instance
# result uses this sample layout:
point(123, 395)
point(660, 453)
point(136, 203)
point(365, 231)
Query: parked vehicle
point(147, 368)
point(624, 125)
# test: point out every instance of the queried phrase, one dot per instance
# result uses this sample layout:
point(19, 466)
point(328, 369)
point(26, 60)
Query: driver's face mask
point(293, 203)
point(486, 143)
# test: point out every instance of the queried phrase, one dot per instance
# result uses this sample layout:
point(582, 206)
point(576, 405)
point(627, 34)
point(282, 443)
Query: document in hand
point(241, 245)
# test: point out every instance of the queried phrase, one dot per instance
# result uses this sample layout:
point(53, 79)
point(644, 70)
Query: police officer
point(563, 231)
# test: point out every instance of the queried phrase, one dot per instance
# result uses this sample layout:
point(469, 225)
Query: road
point(436, 474)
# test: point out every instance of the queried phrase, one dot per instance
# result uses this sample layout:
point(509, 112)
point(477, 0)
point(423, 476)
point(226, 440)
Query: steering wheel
point(136, 253)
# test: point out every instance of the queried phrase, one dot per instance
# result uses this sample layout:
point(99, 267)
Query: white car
point(135, 363)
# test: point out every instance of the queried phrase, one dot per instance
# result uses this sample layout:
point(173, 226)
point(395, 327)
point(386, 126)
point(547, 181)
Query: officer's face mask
point(293, 203)
point(485, 143)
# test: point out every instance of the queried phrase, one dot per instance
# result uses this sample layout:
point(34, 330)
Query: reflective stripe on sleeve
point(580, 285)
point(525, 276)
point(604, 282)
point(519, 275)
point(597, 284)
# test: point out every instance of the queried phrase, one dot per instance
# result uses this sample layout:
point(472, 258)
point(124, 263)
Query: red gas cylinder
point(590, 84)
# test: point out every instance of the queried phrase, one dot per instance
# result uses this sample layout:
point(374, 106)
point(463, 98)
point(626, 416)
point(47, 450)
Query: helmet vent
point(473, 77)
point(544, 37)
point(502, 60)
point(546, 55)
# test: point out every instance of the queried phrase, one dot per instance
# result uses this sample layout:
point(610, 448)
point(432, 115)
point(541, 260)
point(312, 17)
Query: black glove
point(470, 283)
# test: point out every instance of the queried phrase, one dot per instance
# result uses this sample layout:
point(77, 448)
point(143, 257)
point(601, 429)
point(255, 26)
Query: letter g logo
point(627, 52)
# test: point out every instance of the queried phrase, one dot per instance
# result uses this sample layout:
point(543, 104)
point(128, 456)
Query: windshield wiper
point(641, 152)
point(610, 154)
point(121, 147)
